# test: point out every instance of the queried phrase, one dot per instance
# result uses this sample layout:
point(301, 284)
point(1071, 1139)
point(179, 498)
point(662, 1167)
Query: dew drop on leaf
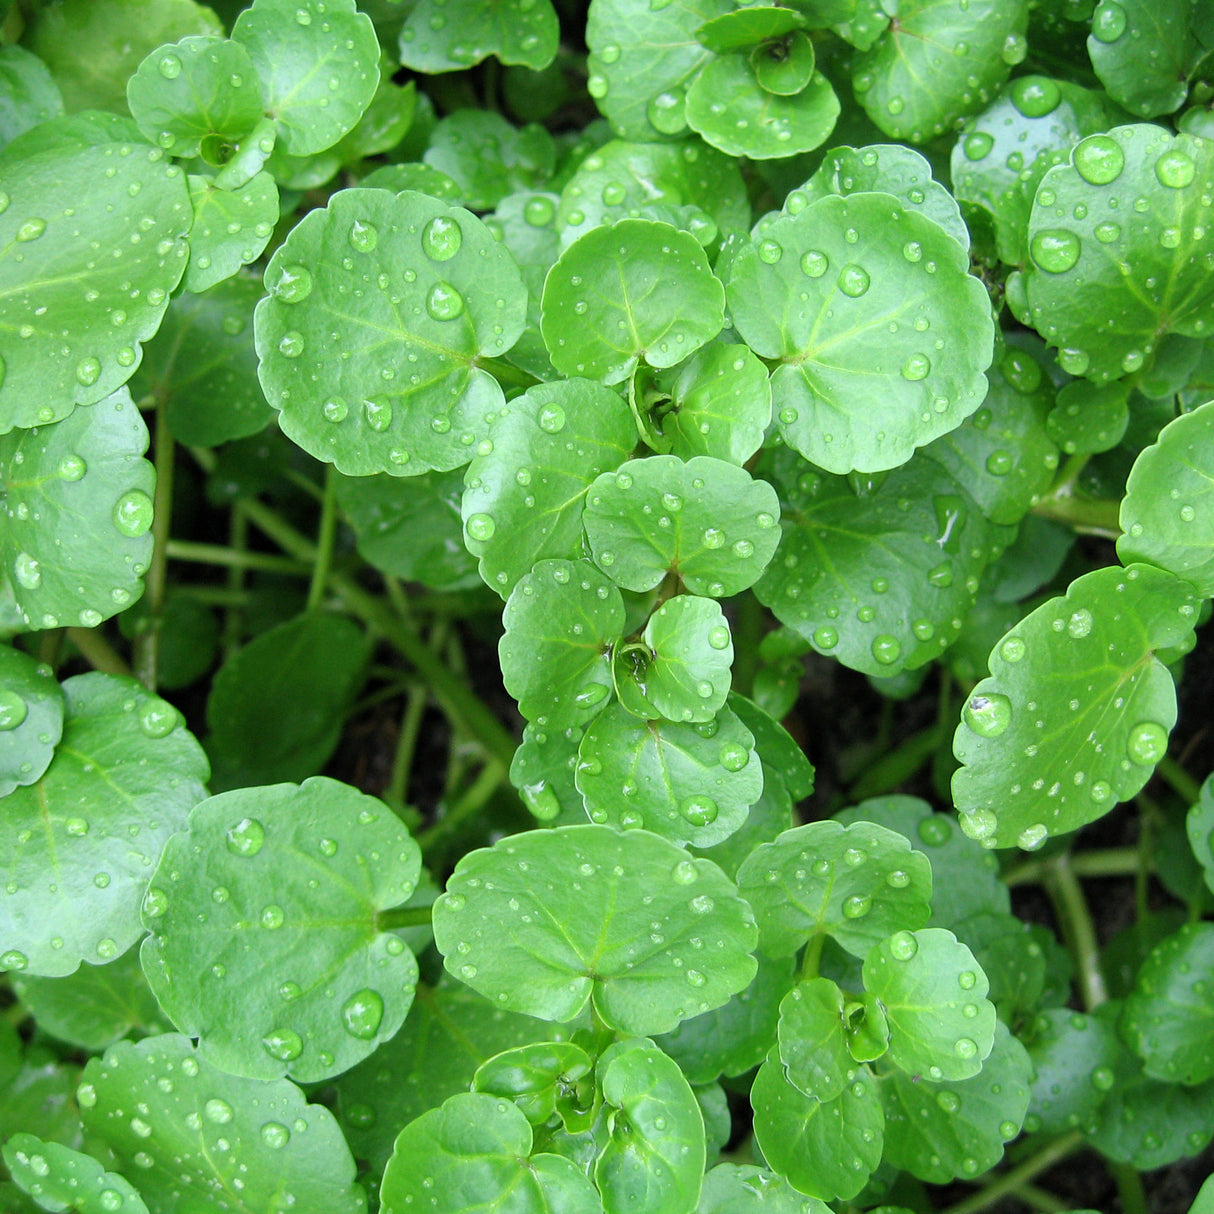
point(854, 280)
point(1099, 159)
point(1175, 169)
point(27, 571)
point(1109, 21)
point(363, 1013)
point(13, 710)
point(903, 946)
point(275, 1135)
point(283, 1044)
point(444, 302)
point(13, 959)
point(814, 263)
point(1032, 837)
point(217, 1111)
point(988, 715)
point(442, 238)
point(698, 810)
point(246, 837)
point(1147, 743)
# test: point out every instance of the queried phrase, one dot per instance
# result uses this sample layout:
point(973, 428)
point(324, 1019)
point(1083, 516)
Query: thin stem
point(747, 633)
point(1104, 862)
point(1179, 780)
point(506, 374)
point(233, 619)
point(1129, 1189)
point(147, 643)
point(235, 558)
point(813, 955)
point(403, 916)
point(1039, 1199)
point(97, 651)
point(324, 542)
point(465, 807)
point(1013, 1178)
point(1071, 908)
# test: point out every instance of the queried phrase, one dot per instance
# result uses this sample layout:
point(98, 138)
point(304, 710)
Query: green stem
point(1039, 1199)
point(897, 766)
point(97, 651)
point(1104, 862)
point(506, 374)
point(1179, 780)
point(234, 558)
point(1076, 921)
point(456, 698)
point(1129, 1189)
point(813, 955)
point(324, 543)
point(1013, 1178)
point(747, 633)
point(403, 916)
point(147, 643)
point(1066, 505)
point(465, 807)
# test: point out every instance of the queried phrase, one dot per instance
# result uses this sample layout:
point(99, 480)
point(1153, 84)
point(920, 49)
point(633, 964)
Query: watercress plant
point(689, 356)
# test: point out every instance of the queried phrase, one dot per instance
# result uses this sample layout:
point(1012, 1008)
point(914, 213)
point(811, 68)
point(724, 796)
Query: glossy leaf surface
point(31, 719)
point(59, 1178)
point(231, 228)
point(520, 32)
point(813, 1039)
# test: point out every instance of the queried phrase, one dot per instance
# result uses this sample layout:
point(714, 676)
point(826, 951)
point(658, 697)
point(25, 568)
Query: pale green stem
point(465, 807)
point(1179, 780)
point(403, 916)
point(235, 558)
point(326, 533)
point(1106, 862)
point(1075, 919)
point(97, 651)
point(1013, 1178)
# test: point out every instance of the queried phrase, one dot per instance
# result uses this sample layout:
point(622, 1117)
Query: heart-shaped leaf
point(544, 921)
point(31, 719)
point(745, 1189)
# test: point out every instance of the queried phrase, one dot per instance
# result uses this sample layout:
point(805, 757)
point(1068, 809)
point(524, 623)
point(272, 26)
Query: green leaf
point(825, 1149)
point(1076, 693)
point(560, 623)
point(315, 665)
point(488, 158)
point(411, 528)
point(688, 783)
point(942, 1131)
point(747, 27)
point(940, 60)
point(410, 397)
point(783, 758)
point(60, 1178)
point(641, 60)
point(31, 719)
point(654, 938)
point(635, 291)
point(1144, 52)
point(76, 540)
point(419, 177)
point(854, 297)
point(188, 1130)
point(965, 878)
point(856, 884)
point(654, 1158)
point(880, 580)
point(730, 107)
point(1089, 417)
point(265, 941)
point(196, 95)
point(542, 771)
point(785, 66)
point(544, 1078)
point(1168, 1018)
point(1200, 828)
point(705, 520)
point(523, 498)
point(521, 31)
point(72, 322)
point(1012, 959)
point(95, 1006)
point(1074, 1058)
point(201, 366)
point(475, 1153)
point(735, 1037)
point(318, 63)
point(231, 228)
point(124, 760)
point(28, 93)
point(1167, 514)
point(745, 1189)
point(36, 1088)
point(624, 180)
point(813, 1039)
point(933, 993)
point(1106, 288)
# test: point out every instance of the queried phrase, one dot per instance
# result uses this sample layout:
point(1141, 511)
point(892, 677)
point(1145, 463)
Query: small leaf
point(435, 293)
point(1167, 514)
point(542, 1078)
point(1012, 959)
point(783, 758)
point(933, 994)
point(545, 945)
point(560, 623)
point(813, 1039)
point(1074, 1058)
point(125, 759)
point(856, 884)
point(31, 719)
point(1075, 691)
point(688, 783)
point(820, 293)
point(747, 27)
point(707, 521)
point(825, 1149)
point(488, 158)
point(255, 874)
point(188, 1130)
point(318, 62)
point(633, 291)
point(1200, 828)
point(28, 93)
point(745, 1189)
point(522, 500)
point(60, 1178)
point(542, 771)
point(1089, 417)
point(231, 228)
point(472, 1151)
point(523, 32)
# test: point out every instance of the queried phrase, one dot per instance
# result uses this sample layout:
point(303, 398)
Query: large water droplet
point(916, 367)
point(1147, 743)
point(444, 302)
point(72, 468)
point(988, 715)
point(217, 1111)
point(1109, 21)
point(1036, 96)
point(854, 280)
point(977, 146)
point(481, 527)
point(169, 67)
point(294, 284)
point(88, 370)
point(275, 1135)
point(857, 906)
point(291, 344)
point(814, 263)
point(27, 571)
point(284, 1044)
point(903, 945)
point(246, 837)
point(886, 649)
point(31, 229)
point(441, 238)
point(157, 719)
point(1055, 249)
point(1099, 159)
point(363, 1013)
point(698, 810)
point(378, 413)
point(1032, 837)
point(539, 212)
point(552, 419)
point(363, 236)
point(133, 513)
point(1175, 169)
point(13, 709)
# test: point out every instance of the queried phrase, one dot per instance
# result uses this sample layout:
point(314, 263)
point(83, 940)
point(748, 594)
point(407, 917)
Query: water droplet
point(988, 715)
point(733, 756)
point(916, 367)
point(965, 1048)
point(1147, 743)
point(13, 710)
point(592, 695)
point(685, 873)
point(1000, 463)
point(88, 370)
point(291, 344)
point(217, 1111)
point(1175, 169)
point(294, 284)
point(1032, 837)
point(1109, 21)
point(696, 978)
point(698, 810)
point(133, 513)
point(335, 410)
point(667, 112)
point(246, 837)
point(1099, 159)
point(1101, 791)
point(1107, 232)
point(1036, 96)
point(169, 67)
point(481, 527)
point(903, 946)
point(13, 959)
point(284, 1044)
point(977, 146)
point(363, 1013)
point(31, 229)
point(814, 263)
point(552, 419)
point(1012, 649)
point(825, 637)
point(854, 280)
point(442, 238)
point(770, 251)
point(948, 1101)
point(886, 649)
point(377, 410)
point(1102, 1079)
point(713, 537)
point(444, 302)
point(1080, 623)
point(72, 468)
point(157, 719)
point(857, 906)
point(1055, 250)
point(935, 830)
point(275, 1135)
point(272, 917)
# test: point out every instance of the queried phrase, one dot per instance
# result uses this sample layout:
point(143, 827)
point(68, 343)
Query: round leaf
point(488, 158)
point(318, 63)
point(1167, 514)
point(523, 498)
point(543, 1078)
point(705, 520)
point(880, 331)
point(1074, 1059)
point(75, 542)
point(857, 884)
point(475, 1152)
point(688, 783)
point(633, 291)
point(59, 1178)
point(31, 719)
point(413, 292)
point(76, 873)
point(546, 920)
point(813, 1039)
point(1106, 288)
point(195, 1135)
point(522, 32)
point(747, 27)
point(560, 622)
point(685, 674)
point(933, 992)
point(785, 66)
point(733, 110)
point(825, 1149)
point(199, 93)
point(29, 94)
point(231, 228)
point(71, 321)
point(1075, 691)
point(745, 1189)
